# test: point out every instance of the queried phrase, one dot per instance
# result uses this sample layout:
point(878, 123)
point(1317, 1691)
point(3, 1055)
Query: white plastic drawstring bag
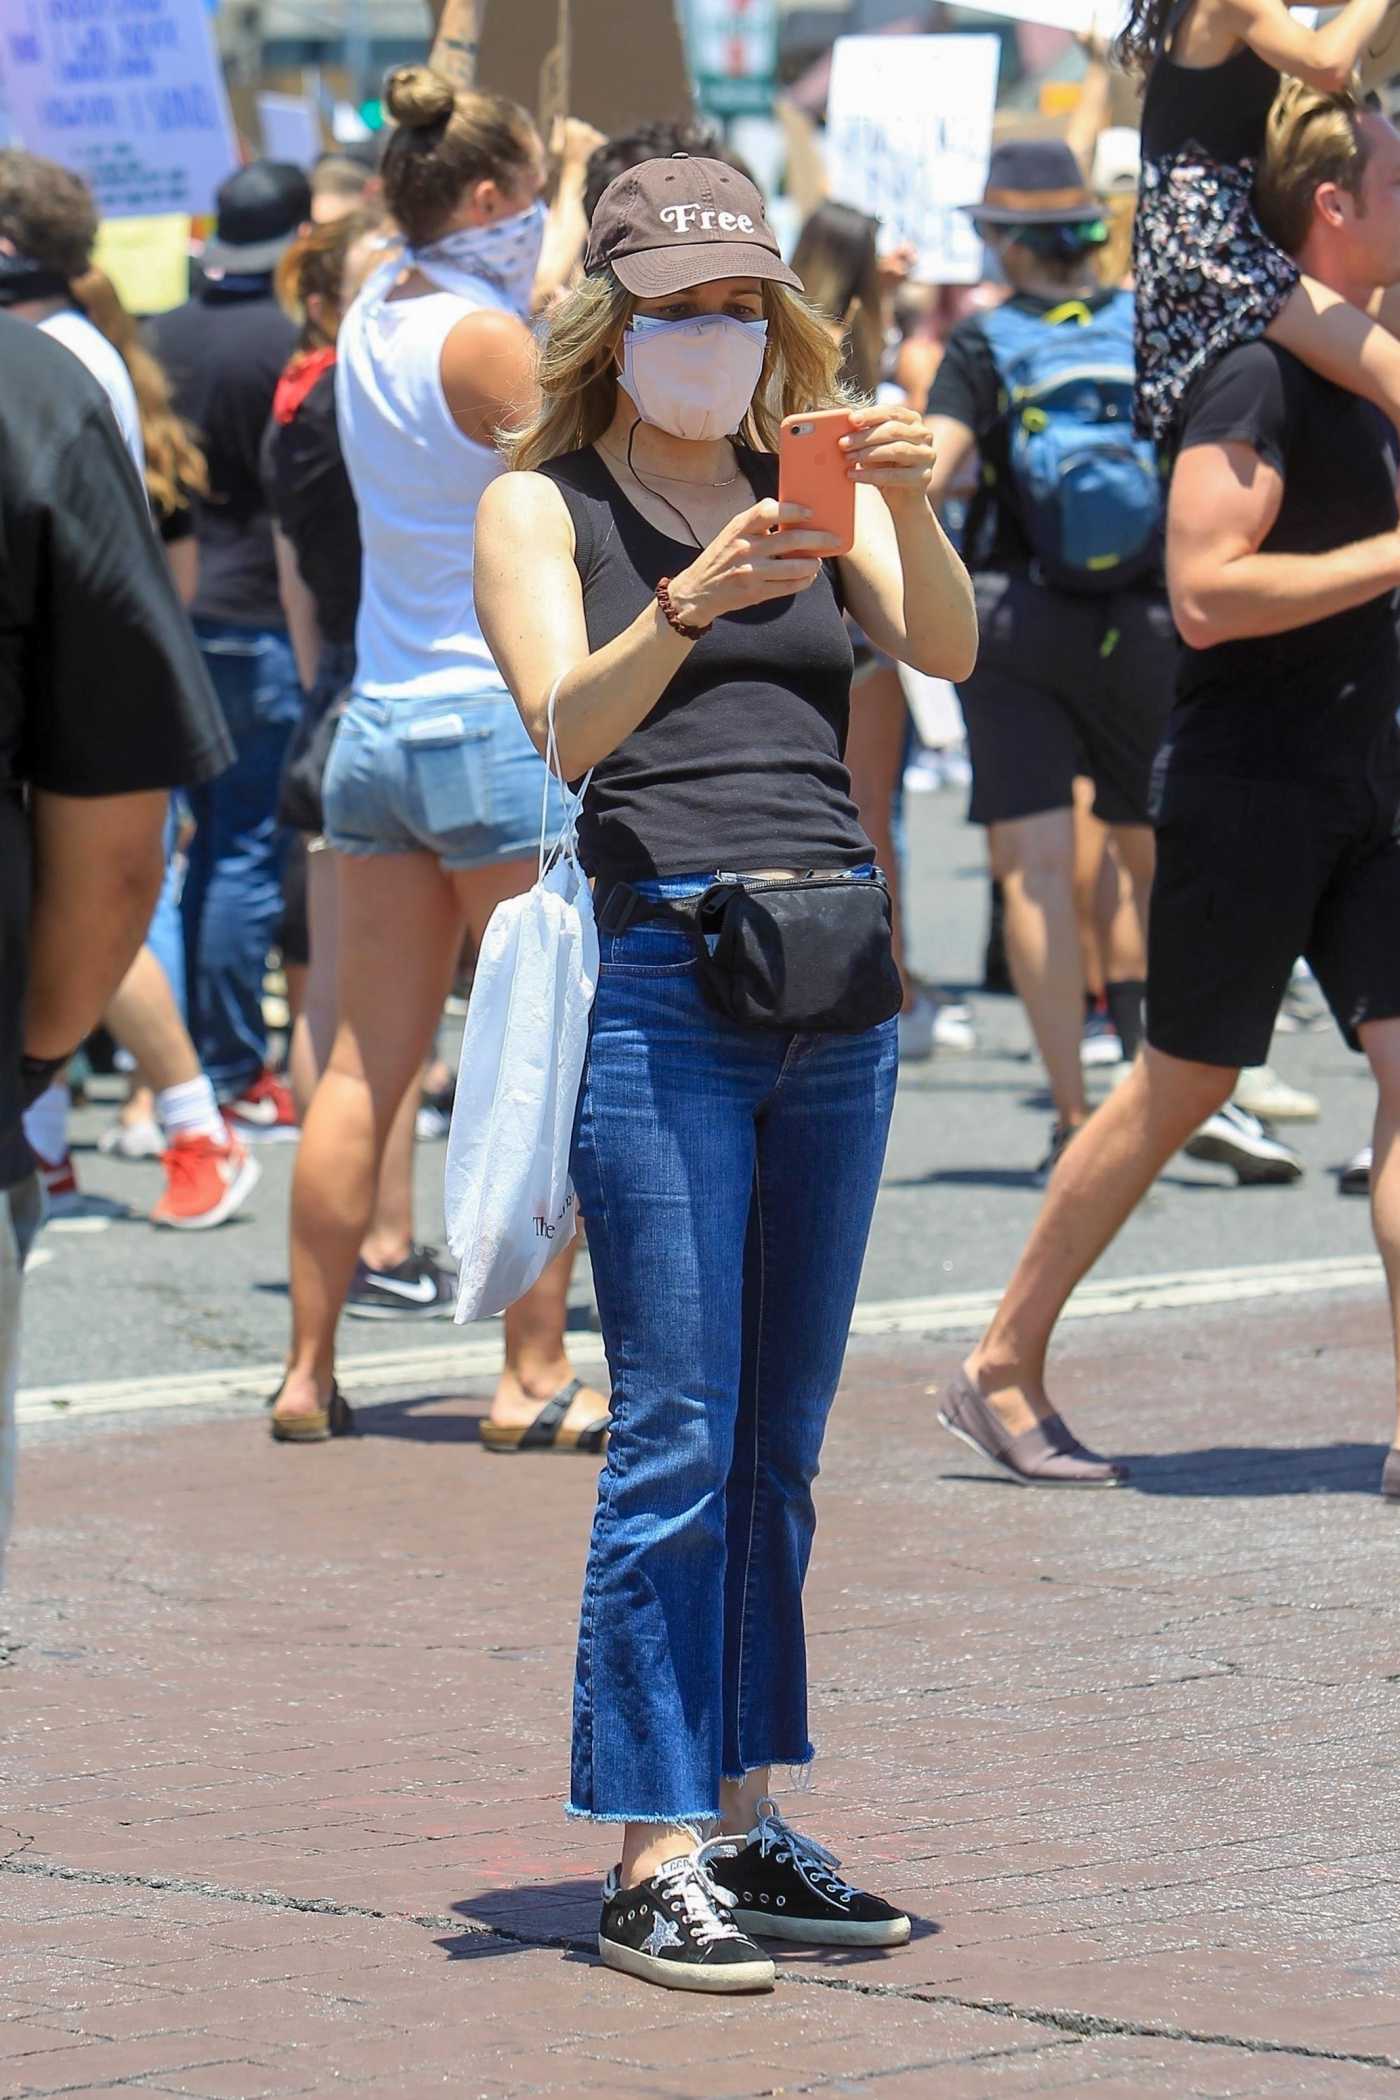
point(510, 1203)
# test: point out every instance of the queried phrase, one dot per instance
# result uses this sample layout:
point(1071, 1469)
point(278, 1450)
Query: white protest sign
point(1079, 16)
point(126, 92)
point(908, 132)
point(291, 129)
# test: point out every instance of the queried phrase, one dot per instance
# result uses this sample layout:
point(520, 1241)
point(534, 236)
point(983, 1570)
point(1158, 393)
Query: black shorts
point(1063, 686)
point(1251, 875)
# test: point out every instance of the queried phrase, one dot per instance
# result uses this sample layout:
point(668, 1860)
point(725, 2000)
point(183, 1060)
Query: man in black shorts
point(1277, 792)
point(1068, 682)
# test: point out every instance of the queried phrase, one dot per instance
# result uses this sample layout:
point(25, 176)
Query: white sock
point(190, 1110)
point(46, 1124)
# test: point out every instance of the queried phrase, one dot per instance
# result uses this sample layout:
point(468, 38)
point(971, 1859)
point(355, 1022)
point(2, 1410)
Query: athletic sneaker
point(1100, 1043)
point(675, 1930)
point(418, 1288)
point(1302, 1007)
point(120, 1140)
point(1262, 1093)
point(953, 1027)
point(205, 1182)
point(264, 1112)
point(1233, 1138)
point(1355, 1177)
point(65, 1202)
point(788, 1888)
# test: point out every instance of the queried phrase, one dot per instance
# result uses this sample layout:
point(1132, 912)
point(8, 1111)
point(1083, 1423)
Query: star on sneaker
point(676, 1930)
point(787, 1887)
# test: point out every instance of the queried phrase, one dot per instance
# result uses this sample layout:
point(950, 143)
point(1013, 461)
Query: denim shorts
point(456, 778)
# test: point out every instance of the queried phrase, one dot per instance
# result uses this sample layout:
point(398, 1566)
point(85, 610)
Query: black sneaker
point(676, 1930)
point(787, 1888)
point(417, 1289)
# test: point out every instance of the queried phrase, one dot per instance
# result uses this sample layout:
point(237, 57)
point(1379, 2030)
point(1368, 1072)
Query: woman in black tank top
point(693, 634)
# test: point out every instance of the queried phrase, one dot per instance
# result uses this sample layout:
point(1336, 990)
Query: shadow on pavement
point(402, 1418)
point(1238, 1470)
point(544, 1914)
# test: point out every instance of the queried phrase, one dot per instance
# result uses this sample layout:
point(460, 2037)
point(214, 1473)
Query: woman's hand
point(742, 565)
point(892, 448)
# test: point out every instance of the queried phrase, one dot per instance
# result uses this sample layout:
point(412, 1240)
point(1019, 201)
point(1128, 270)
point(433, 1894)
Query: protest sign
point(131, 97)
point(908, 132)
point(626, 59)
point(291, 129)
point(148, 260)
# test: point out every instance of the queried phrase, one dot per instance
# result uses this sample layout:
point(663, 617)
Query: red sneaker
point(265, 1112)
point(58, 1181)
point(205, 1182)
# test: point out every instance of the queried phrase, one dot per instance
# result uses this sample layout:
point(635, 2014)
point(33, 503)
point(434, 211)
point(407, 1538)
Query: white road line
point(452, 1363)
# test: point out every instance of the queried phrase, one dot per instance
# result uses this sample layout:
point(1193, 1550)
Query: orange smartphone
point(812, 469)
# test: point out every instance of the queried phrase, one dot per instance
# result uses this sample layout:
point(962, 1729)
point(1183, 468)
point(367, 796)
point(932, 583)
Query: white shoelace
point(706, 1903)
point(813, 1862)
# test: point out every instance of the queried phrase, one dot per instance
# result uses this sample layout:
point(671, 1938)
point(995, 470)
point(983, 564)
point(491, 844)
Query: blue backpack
point(1090, 491)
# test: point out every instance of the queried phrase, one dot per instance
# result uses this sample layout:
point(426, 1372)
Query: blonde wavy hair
point(176, 468)
point(578, 371)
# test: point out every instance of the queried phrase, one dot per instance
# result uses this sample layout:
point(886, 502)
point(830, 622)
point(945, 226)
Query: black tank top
point(1222, 109)
point(739, 764)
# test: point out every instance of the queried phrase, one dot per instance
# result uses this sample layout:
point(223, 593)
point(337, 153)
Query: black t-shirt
point(310, 496)
point(102, 689)
point(738, 765)
point(1319, 700)
point(224, 352)
point(966, 388)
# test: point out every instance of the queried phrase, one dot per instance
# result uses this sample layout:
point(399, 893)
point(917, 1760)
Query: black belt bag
point(813, 954)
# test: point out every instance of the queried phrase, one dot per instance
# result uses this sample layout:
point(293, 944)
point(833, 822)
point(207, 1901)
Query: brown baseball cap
point(668, 224)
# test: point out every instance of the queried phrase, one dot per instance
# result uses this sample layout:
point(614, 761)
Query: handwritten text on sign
point(127, 92)
point(909, 129)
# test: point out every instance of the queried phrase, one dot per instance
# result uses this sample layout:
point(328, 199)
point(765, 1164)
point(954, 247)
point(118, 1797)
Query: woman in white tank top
point(433, 790)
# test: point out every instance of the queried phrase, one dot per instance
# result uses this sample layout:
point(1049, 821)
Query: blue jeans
point(728, 1177)
point(231, 903)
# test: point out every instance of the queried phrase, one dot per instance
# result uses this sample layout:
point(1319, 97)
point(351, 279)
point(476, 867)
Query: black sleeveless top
point(739, 764)
point(1221, 109)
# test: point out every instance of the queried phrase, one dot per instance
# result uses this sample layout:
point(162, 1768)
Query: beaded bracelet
point(669, 613)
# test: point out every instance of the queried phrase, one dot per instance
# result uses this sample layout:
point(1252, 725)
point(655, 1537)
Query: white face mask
point(694, 378)
point(505, 254)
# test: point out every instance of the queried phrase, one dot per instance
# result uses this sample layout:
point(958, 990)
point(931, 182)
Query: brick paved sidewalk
point(286, 1744)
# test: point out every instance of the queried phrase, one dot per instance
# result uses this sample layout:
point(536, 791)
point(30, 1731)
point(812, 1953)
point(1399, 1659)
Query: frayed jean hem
point(692, 1819)
point(796, 1767)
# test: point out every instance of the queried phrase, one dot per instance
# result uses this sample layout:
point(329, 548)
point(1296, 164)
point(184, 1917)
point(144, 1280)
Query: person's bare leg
point(1035, 858)
point(400, 921)
point(537, 1361)
point(144, 1018)
point(389, 1238)
point(647, 1846)
point(1381, 1042)
point(1094, 877)
point(874, 754)
point(739, 1799)
point(1095, 1188)
point(1136, 852)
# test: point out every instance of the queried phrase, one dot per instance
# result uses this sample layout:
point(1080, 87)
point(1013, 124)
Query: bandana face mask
point(505, 254)
point(695, 379)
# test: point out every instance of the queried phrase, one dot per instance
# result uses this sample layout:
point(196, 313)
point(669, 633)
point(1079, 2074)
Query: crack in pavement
point(1076, 2025)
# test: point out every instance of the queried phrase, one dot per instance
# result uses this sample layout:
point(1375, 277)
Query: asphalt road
point(125, 1301)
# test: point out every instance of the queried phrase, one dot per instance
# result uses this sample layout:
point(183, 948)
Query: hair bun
point(417, 96)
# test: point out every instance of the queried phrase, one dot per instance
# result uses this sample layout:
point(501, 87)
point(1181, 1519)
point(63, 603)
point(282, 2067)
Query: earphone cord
point(690, 529)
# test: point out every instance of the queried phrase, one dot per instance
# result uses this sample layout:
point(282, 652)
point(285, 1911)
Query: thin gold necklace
point(680, 480)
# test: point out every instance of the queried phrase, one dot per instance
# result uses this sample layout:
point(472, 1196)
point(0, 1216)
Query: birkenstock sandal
point(336, 1419)
point(547, 1431)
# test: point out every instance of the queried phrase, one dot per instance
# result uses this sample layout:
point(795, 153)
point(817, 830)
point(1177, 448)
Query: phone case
point(812, 470)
